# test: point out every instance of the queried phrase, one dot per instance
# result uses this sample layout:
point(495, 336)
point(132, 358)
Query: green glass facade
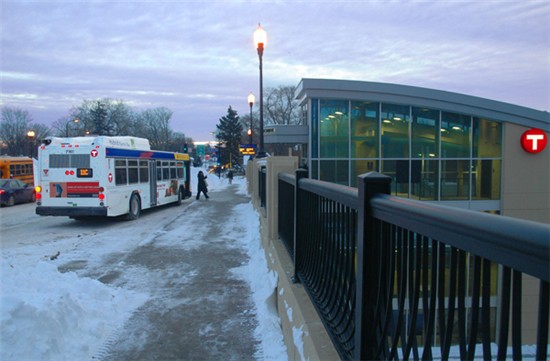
point(431, 154)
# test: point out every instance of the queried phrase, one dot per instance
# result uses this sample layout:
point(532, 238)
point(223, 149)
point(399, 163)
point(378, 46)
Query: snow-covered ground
point(46, 314)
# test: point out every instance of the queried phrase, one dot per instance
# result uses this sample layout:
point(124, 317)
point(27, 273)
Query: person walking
point(230, 176)
point(202, 185)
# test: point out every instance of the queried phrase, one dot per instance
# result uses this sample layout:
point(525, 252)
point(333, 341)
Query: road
point(182, 257)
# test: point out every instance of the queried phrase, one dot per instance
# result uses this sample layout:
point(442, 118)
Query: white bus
point(107, 176)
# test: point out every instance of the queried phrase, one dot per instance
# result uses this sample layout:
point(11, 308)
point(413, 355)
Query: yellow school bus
point(17, 167)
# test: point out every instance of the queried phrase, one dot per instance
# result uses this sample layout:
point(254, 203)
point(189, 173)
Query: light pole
point(31, 134)
point(260, 38)
point(75, 120)
point(251, 100)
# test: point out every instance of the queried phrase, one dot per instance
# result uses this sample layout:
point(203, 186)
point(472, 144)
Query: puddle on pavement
point(72, 266)
point(109, 277)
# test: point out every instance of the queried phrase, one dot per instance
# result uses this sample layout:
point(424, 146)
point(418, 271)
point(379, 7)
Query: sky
point(47, 314)
point(197, 58)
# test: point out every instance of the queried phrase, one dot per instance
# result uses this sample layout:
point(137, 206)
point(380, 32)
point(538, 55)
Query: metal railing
point(262, 184)
point(286, 212)
point(423, 275)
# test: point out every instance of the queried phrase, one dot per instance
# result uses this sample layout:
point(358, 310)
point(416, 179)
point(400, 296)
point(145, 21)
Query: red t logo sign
point(534, 140)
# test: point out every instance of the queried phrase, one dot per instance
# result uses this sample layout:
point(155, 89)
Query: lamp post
point(251, 99)
point(31, 134)
point(260, 38)
point(75, 120)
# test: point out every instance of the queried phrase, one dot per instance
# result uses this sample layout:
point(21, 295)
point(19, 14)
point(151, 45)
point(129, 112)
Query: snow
point(264, 285)
point(298, 334)
point(50, 315)
point(46, 314)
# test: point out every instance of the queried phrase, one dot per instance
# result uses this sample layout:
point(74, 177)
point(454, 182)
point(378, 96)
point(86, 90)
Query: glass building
point(436, 145)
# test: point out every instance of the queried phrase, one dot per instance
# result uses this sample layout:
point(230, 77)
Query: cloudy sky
point(197, 57)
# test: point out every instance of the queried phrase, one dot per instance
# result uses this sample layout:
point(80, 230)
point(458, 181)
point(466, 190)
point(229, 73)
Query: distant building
point(437, 146)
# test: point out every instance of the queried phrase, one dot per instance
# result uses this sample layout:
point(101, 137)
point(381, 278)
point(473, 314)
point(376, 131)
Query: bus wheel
point(135, 207)
point(180, 196)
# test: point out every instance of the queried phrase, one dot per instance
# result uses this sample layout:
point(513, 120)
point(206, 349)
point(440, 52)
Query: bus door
point(153, 182)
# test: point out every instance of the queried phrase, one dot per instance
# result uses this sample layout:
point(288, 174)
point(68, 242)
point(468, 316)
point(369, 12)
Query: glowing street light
point(251, 100)
point(31, 134)
point(260, 40)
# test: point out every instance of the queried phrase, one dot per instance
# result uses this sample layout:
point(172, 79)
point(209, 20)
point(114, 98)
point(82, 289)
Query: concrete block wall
point(304, 333)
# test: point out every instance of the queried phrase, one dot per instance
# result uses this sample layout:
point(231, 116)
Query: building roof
point(422, 97)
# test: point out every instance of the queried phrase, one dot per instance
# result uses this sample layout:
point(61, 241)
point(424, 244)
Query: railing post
point(300, 173)
point(262, 184)
point(368, 265)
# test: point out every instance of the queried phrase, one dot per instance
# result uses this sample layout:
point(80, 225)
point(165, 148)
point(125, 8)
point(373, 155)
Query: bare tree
point(120, 116)
point(156, 124)
point(101, 117)
point(281, 107)
point(13, 130)
point(177, 141)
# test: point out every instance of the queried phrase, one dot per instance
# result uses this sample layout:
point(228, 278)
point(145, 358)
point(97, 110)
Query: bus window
point(59, 161)
point(133, 172)
point(165, 170)
point(159, 171)
point(121, 173)
point(80, 161)
point(143, 171)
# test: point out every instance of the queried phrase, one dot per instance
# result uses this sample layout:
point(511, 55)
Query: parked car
point(14, 191)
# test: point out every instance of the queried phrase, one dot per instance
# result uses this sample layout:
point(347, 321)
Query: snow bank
point(47, 315)
point(262, 281)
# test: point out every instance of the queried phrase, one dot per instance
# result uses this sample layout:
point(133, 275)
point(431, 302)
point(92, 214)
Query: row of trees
point(114, 117)
point(99, 117)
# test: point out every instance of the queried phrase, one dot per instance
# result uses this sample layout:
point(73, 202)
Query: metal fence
point(395, 278)
point(286, 213)
point(262, 183)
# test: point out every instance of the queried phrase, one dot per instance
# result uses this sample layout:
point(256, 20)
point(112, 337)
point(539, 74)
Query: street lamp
point(75, 120)
point(260, 39)
point(31, 134)
point(251, 99)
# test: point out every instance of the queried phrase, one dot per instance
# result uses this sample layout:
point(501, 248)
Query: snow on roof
point(123, 142)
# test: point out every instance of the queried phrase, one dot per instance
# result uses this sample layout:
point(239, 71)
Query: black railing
point(425, 276)
point(285, 212)
point(325, 256)
point(262, 183)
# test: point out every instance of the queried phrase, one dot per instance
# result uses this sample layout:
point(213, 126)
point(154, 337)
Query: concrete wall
point(304, 333)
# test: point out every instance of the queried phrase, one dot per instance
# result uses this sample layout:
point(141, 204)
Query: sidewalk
point(206, 309)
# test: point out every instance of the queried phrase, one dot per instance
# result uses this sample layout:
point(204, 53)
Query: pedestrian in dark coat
point(202, 186)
